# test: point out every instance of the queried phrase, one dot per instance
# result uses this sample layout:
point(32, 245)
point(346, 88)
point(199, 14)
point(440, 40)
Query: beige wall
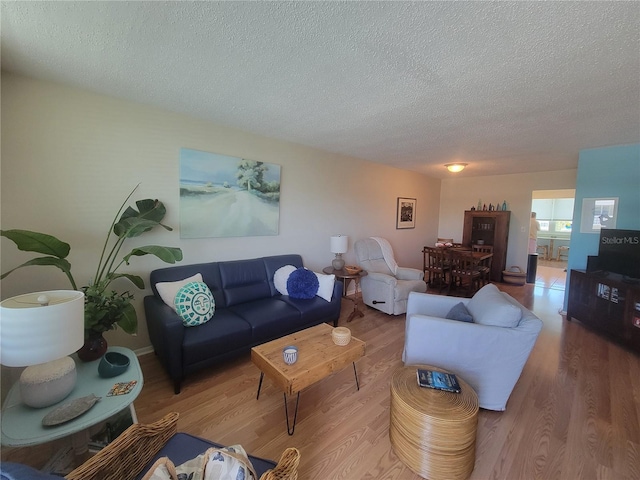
point(70, 157)
point(460, 194)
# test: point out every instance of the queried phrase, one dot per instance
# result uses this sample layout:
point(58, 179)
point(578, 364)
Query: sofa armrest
point(431, 305)
point(372, 277)
point(406, 273)
point(166, 333)
point(338, 288)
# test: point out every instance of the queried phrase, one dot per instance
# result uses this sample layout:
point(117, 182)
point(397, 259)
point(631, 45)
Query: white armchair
point(381, 288)
point(490, 358)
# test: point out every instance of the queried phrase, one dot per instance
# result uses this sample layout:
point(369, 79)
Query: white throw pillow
point(280, 278)
point(168, 290)
point(325, 289)
point(489, 307)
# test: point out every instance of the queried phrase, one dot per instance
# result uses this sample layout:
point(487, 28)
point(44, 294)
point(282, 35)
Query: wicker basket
point(341, 336)
point(514, 276)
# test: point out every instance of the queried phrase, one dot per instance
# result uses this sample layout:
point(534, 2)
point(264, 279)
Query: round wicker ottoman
point(433, 432)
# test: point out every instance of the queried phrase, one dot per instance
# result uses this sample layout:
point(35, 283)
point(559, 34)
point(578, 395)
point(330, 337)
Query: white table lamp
point(339, 245)
point(39, 330)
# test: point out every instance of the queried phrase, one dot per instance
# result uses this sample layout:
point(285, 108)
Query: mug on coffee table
point(290, 354)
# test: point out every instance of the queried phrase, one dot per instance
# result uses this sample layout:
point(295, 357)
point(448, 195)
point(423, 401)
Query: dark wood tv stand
point(608, 303)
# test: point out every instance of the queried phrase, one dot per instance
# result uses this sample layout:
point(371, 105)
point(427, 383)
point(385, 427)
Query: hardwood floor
point(574, 413)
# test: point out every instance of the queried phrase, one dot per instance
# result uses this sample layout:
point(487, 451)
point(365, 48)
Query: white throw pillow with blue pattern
point(195, 304)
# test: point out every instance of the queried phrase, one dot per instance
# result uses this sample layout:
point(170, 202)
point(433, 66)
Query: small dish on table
point(113, 364)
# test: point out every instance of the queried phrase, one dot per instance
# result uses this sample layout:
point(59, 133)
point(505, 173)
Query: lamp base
point(47, 383)
point(338, 262)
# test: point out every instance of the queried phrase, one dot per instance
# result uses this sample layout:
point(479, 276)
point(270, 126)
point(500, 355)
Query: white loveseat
point(489, 353)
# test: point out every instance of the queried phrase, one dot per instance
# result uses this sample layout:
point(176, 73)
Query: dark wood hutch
point(492, 228)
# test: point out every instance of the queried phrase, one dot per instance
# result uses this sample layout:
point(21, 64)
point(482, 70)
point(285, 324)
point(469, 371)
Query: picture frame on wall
point(406, 213)
point(223, 196)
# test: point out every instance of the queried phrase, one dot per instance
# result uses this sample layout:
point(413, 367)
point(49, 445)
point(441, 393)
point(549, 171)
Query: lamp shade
point(339, 244)
point(40, 327)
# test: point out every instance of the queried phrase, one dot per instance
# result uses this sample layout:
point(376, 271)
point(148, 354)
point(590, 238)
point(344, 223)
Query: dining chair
point(464, 272)
point(545, 251)
point(436, 266)
point(484, 266)
point(563, 251)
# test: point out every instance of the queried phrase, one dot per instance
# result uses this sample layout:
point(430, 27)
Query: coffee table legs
point(292, 426)
point(290, 429)
point(260, 385)
point(356, 374)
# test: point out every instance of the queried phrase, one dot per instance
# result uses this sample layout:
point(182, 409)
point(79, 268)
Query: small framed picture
point(406, 216)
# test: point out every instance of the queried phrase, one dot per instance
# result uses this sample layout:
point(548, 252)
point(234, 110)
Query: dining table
point(477, 257)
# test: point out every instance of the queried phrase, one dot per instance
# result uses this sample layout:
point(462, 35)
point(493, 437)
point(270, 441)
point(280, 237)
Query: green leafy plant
point(104, 308)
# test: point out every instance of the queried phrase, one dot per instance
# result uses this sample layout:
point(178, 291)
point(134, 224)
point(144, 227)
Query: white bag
point(228, 463)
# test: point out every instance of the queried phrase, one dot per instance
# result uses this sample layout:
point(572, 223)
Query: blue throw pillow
point(302, 283)
point(459, 312)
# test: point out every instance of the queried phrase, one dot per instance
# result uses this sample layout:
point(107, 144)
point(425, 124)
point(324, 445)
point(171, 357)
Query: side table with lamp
point(347, 274)
point(33, 334)
point(39, 330)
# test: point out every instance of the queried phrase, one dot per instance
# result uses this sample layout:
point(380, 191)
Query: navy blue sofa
point(248, 311)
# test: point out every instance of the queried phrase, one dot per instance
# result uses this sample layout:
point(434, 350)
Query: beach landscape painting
point(223, 196)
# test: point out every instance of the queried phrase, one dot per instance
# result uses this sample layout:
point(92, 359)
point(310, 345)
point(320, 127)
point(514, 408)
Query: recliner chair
point(382, 288)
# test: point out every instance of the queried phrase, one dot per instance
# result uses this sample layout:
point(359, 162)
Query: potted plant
point(105, 309)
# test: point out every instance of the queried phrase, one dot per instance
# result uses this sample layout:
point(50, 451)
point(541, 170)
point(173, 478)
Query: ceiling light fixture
point(455, 167)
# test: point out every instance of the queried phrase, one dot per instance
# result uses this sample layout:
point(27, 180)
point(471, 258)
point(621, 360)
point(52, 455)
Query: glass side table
point(22, 425)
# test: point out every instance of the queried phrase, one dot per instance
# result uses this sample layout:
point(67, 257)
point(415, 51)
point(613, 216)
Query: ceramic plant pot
point(94, 347)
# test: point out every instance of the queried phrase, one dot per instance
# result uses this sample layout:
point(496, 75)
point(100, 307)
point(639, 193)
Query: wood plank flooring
point(574, 413)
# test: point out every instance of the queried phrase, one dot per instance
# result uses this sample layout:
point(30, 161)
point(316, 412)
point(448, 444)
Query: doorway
point(554, 212)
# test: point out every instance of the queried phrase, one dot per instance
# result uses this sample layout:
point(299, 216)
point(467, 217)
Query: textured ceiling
point(508, 87)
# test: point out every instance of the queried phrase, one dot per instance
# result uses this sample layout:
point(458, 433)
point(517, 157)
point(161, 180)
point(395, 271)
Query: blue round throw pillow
point(195, 304)
point(302, 283)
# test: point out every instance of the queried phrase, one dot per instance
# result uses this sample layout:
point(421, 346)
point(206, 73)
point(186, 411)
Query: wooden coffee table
point(318, 357)
point(431, 431)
